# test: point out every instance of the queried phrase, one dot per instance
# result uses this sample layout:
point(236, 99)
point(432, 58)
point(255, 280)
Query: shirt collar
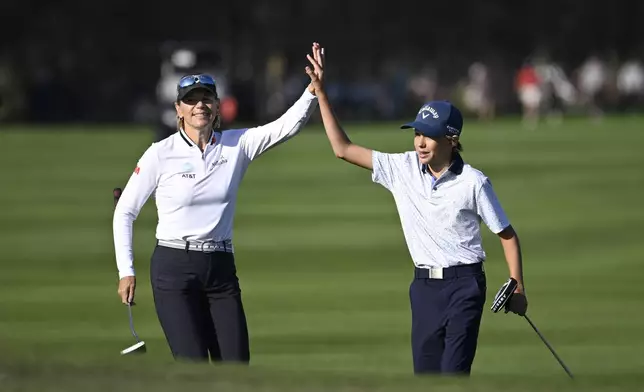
point(189, 141)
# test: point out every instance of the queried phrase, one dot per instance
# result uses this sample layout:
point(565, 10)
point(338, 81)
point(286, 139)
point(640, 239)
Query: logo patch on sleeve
point(137, 170)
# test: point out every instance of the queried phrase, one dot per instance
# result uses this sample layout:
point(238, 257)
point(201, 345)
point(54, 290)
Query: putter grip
point(503, 295)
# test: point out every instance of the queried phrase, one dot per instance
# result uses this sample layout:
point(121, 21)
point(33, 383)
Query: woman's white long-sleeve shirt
point(196, 192)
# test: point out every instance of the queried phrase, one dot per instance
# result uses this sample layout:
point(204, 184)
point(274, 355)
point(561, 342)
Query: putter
point(139, 346)
point(552, 350)
point(501, 300)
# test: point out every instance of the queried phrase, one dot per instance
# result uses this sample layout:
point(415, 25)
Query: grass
point(323, 265)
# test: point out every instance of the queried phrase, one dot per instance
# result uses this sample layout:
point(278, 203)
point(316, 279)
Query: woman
point(441, 202)
point(195, 174)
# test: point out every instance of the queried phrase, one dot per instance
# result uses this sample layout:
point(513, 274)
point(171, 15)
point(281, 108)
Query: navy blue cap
point(436, 119)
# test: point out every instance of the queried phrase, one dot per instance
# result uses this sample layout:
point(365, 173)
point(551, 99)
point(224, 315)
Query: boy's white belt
point(199, 246)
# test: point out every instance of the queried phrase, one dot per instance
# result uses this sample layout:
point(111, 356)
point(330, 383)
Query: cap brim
point(185, 90)
point(427, 130)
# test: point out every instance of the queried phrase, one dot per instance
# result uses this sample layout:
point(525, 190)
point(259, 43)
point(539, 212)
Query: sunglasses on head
point(189, 80)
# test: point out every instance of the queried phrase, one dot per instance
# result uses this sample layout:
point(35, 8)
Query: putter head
point(503, 295)
point(138, 348)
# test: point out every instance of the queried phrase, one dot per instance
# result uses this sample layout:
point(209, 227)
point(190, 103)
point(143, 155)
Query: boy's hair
point(458, 147)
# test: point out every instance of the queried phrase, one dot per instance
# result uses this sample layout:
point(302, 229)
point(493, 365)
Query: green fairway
point(323, 265)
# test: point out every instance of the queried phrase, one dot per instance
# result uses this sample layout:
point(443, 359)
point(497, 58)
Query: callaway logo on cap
point(426, 111)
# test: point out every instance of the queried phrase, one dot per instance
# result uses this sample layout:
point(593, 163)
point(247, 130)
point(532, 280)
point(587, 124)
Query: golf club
point(501, 300)
point(543, 339)
point(139, 346)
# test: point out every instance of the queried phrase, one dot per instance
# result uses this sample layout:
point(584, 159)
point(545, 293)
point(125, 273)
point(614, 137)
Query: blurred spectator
point(180, 62)
point(423, 84)
point(274, 78)
point(591, 80)
point(630, 84)
point(558, 92)
point(611, 92)
point(183, 59)
point(12, 94)
point(528, 86)
point(477, 95)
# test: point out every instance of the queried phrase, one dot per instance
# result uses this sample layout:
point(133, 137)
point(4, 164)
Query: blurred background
point(384, 60)
point(553, 92)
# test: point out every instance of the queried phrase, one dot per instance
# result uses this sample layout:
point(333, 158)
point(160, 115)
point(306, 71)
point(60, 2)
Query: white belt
point(199, 246)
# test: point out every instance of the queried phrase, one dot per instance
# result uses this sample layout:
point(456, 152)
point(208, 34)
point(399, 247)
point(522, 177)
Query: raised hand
point(316, 73)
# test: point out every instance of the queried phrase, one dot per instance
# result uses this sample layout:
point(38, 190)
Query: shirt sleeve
point(489, 208)
point(138, 189)
point(385, 167)
point(256, 141)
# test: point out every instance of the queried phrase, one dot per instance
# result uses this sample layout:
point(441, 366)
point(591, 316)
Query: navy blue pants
point(446, 315)
point(198, 302)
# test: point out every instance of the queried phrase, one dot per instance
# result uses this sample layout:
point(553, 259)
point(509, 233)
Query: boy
point(441, 201)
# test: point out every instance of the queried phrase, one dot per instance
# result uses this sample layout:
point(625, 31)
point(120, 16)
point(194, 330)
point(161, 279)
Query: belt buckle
point(435, 273)
point(210, 250)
